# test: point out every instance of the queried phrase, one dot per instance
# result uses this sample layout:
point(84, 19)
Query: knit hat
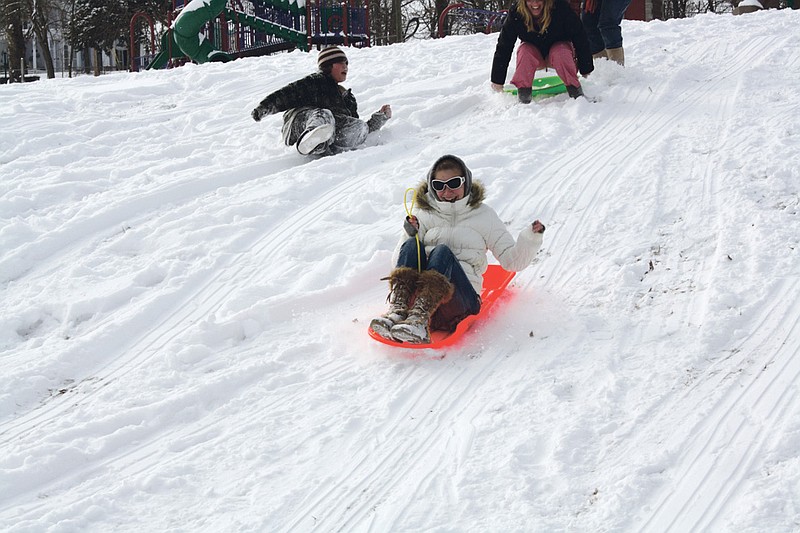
point(467, 173)
point(332, 54)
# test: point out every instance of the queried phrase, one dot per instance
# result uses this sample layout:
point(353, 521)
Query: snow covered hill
point(185, 301)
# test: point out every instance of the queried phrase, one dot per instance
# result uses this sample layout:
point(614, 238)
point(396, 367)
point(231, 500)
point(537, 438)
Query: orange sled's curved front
point(495, 281)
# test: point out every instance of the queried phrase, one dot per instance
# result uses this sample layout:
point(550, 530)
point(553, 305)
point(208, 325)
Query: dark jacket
point(315, 90)
point(565, 25)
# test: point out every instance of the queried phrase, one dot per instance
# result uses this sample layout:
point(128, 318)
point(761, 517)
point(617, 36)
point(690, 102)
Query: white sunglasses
point(452, 183)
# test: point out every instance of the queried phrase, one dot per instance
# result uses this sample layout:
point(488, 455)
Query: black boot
point(524, 94)
point(574, 92)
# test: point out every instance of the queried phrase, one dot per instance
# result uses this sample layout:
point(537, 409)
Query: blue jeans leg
point(603, 26)
point(465, 300)
point(589, 20)
point(408, 256)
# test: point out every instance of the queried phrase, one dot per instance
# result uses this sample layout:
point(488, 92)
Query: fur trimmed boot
point(432, 289)
point(402, 285)
point(617, 55)
point(600, 55)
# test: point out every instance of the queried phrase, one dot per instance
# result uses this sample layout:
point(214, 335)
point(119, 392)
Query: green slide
point(184, 39)
point(162, 58)
point(186, 30)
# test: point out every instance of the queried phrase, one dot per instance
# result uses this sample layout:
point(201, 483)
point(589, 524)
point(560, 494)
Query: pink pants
point(561, 58)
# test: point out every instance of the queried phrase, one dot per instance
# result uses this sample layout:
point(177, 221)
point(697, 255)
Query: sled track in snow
point(51, 249)
point(603, 159)
point(387, 459)
point(186, 306)
point(717, 452)
point(707, 477)
point(192, 303)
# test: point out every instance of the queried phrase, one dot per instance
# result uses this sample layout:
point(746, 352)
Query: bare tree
point(12, 16)
point(39, 12)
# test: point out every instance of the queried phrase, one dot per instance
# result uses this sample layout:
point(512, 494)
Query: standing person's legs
point(465, 301)
point(529, 60)
point(590, 21)
point(562, 58)
point(609, 20)
point(608, 23)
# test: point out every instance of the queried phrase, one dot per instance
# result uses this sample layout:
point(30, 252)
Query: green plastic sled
point(547, 86)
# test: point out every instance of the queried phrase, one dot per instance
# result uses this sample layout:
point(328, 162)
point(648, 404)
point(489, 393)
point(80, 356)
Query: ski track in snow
point(202, 389)
point(720, 449)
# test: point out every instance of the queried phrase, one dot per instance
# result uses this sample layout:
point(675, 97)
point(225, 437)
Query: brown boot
point(600, 55)
point(617, 55)
point(432, 290)
point(402, 284)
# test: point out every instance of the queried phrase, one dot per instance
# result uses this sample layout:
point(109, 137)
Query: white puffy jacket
point(470, 228)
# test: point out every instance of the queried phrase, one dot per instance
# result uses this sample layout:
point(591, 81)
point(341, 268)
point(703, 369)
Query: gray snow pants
point(350, 131)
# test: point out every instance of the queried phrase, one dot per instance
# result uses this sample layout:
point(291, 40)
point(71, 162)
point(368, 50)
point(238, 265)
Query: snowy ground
point(185, 301)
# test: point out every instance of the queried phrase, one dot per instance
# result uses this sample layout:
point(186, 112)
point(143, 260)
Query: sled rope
point(408, 212)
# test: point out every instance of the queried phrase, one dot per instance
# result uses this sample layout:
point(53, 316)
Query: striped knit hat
point(332, 54)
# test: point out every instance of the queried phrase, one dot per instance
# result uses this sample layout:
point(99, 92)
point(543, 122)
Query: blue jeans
point(602, 26)
point(465, 300)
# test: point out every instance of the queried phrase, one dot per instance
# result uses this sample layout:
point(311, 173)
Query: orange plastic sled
point(495, 281)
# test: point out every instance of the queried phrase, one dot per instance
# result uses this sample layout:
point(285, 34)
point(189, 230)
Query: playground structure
point(222, 30)
point(461, 18)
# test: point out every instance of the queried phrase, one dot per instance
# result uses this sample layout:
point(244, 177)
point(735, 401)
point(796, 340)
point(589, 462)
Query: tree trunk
point(72, 29)
point(40, 29)
point(16, 41)
point(396, 35)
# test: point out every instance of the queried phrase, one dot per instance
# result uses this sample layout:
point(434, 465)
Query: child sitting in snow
point(455, 230)
point(321, 116)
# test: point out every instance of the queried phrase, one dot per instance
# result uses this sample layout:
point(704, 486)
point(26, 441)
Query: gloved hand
point(411, 225)
point(379, 118)
point(259, 113)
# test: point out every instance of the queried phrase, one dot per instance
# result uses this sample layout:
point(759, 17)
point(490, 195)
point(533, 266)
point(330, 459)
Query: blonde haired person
point(551, 35)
